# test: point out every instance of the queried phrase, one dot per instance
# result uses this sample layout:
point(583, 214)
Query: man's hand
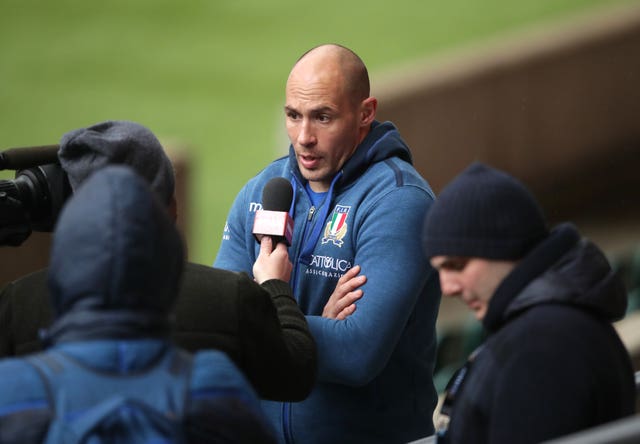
point(272, 263)
point(341, 302)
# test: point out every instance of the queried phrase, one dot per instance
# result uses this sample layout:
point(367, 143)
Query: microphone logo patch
point(336, 228)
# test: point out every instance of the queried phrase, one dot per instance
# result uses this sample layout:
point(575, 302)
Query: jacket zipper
point(286, 406)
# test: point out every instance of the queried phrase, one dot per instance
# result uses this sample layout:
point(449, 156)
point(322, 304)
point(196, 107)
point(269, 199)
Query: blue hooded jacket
point(115, 266)
point(375, 367)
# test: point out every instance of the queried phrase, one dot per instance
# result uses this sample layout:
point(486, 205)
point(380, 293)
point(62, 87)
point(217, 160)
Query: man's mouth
point(473, 304)
point(309, 162)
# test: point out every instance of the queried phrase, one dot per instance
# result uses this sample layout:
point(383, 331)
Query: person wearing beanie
point(86, 150)
point(258, 324)
point(552, 363)
point(116, 262)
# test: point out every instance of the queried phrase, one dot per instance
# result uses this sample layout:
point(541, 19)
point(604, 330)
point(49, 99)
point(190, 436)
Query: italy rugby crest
point(336, 227)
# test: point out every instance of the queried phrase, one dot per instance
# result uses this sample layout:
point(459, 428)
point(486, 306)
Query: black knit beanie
point(86, 150)
point(483, 213)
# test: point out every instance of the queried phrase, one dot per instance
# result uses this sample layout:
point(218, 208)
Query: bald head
point(328, 111)
point(341, 65)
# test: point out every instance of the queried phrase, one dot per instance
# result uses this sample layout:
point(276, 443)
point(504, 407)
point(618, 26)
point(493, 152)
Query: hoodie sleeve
point(388, 249)
point(236, 252)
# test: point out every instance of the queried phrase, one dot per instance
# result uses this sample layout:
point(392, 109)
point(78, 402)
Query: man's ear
point(368, 111)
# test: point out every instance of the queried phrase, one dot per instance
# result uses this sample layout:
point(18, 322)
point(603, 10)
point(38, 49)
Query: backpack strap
point(40, 362)
point(81, 413)
point(85, 426)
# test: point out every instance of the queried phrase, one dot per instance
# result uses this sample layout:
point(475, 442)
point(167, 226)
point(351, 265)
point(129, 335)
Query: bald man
point(358, 206)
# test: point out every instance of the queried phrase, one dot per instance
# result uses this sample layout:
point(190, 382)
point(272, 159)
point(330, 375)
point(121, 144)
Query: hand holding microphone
point(273, 219)
point(272, 263)
point(273, 228)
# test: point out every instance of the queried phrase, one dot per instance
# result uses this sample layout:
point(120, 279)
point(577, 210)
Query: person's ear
point(368, 109)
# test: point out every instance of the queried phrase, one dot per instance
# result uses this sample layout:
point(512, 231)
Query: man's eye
point(458, 265)
point(323, 118)
point(455, 264)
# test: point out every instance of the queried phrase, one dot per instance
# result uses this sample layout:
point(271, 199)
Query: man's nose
point(306, 136)
point(448, 285)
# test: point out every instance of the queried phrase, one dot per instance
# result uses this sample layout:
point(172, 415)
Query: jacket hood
point(382, 142)
point(114, 248)
point(563, 269)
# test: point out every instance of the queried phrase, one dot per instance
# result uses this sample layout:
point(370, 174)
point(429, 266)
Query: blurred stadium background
point(208, 76)
point(546, 89)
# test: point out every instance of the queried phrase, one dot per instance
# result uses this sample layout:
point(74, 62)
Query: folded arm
point(355, 350)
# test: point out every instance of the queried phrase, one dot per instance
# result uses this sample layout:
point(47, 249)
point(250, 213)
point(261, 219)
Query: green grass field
point(209, 76)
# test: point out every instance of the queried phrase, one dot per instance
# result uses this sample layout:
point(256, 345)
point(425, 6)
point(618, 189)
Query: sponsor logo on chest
point(328, 267)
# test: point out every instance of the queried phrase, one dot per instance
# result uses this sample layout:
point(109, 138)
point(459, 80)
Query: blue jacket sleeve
point(237, 250)
point(389, 250)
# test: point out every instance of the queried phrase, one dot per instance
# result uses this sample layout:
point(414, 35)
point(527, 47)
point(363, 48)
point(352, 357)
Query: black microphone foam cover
point(27, 157)
point(277, 195)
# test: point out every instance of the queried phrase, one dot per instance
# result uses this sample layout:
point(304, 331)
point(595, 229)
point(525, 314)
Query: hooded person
point(257, 323)
point(116, 262)
point(552, 362)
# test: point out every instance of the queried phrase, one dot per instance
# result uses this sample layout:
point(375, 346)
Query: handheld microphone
point(28, 157)
point(274, 220)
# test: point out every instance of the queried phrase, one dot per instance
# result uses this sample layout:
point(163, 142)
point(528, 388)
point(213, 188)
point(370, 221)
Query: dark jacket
point(260, 327)
point(552, 364)
point(114, 273)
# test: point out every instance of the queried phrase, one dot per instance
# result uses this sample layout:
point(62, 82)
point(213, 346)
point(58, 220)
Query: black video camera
point(33, 200)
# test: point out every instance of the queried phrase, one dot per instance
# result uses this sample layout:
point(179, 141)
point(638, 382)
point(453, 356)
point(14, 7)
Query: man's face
point(323, 124)
point(474, 280)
